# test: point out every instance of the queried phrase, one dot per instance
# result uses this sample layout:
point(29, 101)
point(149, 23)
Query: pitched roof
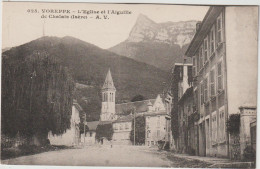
point(92, 126)
point(109, 84)
point(126, 118)
point(140, 106)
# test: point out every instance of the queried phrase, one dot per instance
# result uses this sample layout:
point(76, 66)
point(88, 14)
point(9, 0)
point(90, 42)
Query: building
point(90, 135)
point(156, 112)
point(72, 135)
point(224, 54)
point(183, 106)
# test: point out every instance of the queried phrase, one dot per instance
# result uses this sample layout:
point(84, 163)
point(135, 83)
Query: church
point(156, 112)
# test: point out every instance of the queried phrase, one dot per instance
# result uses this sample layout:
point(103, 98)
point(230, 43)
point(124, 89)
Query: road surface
point(96, 156)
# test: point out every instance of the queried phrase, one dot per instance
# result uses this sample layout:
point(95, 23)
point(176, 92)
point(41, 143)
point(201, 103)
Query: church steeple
point(109, 84)
point(108, 99)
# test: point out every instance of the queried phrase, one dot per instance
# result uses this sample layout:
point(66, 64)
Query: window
point(201, 56)
point(201, 94)
point(206, 49)
point(158, 133)
point(126, 126)
point(222, 133)
point(198, 63)
point(214, 128)
point(115, 127)
point(212, 83)
point(219, 29)
point(194, 66)
point(206, 89)
point(147, 122)
point(212, 40)
point(148, 133)
point(220, 76)
point(158, 121)
point(90, 134)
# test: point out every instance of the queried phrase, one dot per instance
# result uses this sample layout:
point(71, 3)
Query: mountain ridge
point(89, 64)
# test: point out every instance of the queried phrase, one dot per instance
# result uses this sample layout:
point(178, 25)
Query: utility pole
point(33, 75)
point(84, 127)
point(134, 126)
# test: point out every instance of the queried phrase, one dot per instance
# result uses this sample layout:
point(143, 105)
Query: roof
point(92, 126)
point(203, 30)
point(126, 118)
point(109, 84)
point(140, 106)
point(75, 103)
point(188, 93)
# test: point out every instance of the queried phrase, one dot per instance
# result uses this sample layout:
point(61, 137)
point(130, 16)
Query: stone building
point(224, 54)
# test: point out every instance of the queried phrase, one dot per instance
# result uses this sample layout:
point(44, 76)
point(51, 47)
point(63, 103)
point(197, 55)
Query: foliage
point(233, 124)
point(139, 130)
point(81, 127)
point(165, 145)
point(104, 131)
point(249, 153)
point(138, 98)
point(89, 64)
point(36, 94)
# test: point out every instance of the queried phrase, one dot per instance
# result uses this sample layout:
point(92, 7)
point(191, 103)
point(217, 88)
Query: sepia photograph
point(129, 85)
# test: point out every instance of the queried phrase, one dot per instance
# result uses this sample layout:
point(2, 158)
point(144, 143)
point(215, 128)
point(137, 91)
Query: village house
point(183, 105)
point(156, 112)
point(72, 135)
point(224, 54)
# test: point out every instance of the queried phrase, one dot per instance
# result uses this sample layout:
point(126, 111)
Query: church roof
point(140, 106)
point(109, 84)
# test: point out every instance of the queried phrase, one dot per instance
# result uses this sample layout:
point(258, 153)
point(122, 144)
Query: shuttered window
point(212, 83)
point(220, 76)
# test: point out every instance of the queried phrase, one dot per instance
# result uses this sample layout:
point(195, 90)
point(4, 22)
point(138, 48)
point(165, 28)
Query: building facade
point(183, 105)
point(156, 113)
point(224, 54)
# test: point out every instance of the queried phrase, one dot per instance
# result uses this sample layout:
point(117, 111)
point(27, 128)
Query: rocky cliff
point(158, 44)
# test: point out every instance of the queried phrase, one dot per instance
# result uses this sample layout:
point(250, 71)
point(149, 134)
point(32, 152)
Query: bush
point(104, 131)
point(233, 124)
point(249, 153)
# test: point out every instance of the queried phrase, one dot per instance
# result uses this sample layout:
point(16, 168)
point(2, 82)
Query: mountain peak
point(143, 18)
point(145, 29)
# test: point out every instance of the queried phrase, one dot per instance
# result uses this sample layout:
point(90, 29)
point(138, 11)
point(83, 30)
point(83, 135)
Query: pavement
point(127, 156)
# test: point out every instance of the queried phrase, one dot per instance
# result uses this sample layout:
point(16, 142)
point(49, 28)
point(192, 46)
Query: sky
point(21, 24)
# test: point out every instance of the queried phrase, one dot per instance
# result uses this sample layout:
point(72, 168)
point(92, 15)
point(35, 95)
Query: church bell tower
point(108, 99)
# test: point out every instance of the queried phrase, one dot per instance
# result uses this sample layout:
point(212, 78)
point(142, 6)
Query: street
point(128, 156)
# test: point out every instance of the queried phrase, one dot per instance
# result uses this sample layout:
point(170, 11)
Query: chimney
point(198, 24)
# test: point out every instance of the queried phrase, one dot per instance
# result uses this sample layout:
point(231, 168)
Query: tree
point(36, 96)
point(138, 98)
point(104, 131)
point(139, 130)
point(233, 124)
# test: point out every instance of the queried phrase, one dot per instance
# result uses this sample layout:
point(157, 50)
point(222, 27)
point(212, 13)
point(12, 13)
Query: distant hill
point(157, 44)
point(89, 64)
point(5, 49)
